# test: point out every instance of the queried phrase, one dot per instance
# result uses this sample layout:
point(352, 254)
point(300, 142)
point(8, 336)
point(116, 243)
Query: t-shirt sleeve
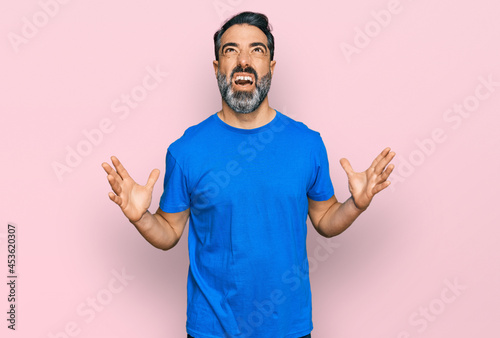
point(175, 197)
point(321, 188)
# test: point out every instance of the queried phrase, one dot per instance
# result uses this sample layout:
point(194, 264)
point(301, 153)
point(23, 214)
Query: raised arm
point(332, 217)
point(163, 230)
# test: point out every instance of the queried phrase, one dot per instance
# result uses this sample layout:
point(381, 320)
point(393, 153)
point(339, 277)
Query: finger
point(380, 157)
point(386, 173)
point(346, 166)
point(115, 198)
point(120, 169)
point(384, 161)
point(379, 187)
point(153, 177)
point(107, 168)
point(115, 185)
point(110, 171)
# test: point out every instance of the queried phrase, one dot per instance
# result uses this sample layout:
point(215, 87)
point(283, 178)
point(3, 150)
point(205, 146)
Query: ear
point(271, 66)
point(216, 66)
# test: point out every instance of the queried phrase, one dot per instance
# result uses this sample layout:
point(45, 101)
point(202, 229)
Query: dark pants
point(308, 336)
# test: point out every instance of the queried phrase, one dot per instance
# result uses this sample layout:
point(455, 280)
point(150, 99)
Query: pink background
point(433, 228)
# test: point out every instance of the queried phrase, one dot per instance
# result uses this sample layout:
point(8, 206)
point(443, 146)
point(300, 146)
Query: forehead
point(243, 34)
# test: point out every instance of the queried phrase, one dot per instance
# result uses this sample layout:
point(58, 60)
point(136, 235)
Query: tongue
point(243, 82)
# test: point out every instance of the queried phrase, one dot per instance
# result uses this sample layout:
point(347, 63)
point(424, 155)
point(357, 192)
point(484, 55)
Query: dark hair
point(254, 19)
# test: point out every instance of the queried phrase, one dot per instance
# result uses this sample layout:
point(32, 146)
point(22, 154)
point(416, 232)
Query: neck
point(258, 118)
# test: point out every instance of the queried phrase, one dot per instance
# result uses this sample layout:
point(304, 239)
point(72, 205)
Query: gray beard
point(244, 102)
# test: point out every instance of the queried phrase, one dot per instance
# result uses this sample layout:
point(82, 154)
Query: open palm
point(132, 198)
point(364, 185)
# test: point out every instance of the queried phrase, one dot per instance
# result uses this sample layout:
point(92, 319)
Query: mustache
point(249, 69)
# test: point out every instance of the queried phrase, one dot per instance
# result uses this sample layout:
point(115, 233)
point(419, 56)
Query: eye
point(259, 50)
point(229, 50)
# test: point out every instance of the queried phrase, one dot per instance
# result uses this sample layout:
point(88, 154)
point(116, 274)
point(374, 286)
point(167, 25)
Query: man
point(247, 177)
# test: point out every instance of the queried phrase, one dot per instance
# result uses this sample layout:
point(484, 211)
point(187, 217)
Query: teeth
point(245, 78)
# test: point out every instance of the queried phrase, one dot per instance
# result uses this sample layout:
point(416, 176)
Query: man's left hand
point(364, 185)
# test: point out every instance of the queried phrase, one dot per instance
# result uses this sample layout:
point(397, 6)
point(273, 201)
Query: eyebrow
point(253, 44)
point(232, 44)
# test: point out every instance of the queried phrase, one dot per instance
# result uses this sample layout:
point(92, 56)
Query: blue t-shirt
point(247, 192)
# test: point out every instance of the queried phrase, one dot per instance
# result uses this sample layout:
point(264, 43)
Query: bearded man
point(246, 177)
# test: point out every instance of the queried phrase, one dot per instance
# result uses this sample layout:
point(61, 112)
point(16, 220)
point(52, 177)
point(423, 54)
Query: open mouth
point(243, 80)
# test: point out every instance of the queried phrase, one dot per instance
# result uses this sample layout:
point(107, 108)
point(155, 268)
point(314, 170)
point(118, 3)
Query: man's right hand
point(132, 198)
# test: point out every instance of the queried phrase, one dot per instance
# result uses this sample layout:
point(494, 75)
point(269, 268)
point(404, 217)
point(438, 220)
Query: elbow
point(329, 232)
point(333, 234)
point(166, 247)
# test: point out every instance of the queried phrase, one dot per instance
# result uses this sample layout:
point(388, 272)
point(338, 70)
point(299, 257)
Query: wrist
point(356, 205)
point(139, 221)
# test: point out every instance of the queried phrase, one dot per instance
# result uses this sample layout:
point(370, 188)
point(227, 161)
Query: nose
point(243, 59)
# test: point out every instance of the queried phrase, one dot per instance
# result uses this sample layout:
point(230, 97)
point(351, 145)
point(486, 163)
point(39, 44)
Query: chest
point(251, 172)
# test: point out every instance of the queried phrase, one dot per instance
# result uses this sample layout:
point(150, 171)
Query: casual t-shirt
point(247, 192)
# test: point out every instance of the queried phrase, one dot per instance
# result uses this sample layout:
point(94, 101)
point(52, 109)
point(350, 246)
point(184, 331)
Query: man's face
point(244, 69)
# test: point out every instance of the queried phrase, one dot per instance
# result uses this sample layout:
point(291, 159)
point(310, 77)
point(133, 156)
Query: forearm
point(338, 218)
point(156, 230)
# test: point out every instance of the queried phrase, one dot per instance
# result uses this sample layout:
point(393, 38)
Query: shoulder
point(192, 136)
point(300, 130)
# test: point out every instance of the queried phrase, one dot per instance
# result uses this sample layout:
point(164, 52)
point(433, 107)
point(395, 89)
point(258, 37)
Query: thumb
point(346, 165)
point(153, 177)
